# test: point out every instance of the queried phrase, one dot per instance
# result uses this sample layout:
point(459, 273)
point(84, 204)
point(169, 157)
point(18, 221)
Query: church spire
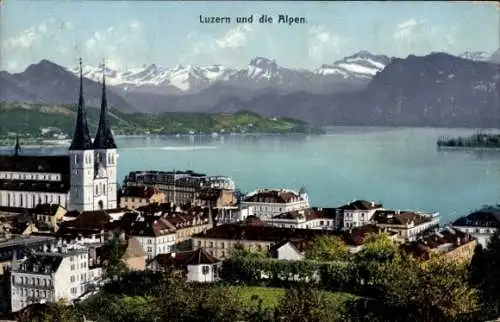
point(104, 137)
point(81, 137)
point(17, 147)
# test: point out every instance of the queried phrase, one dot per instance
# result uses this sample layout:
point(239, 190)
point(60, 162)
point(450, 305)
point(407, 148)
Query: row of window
point(32, 281)
point(78, 278)
point(33, 293)
point(25, 200)
point(29, 176)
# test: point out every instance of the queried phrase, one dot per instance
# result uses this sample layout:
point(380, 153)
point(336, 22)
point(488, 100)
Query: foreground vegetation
point(388, 286)
point(473, 141)
point(33, 119)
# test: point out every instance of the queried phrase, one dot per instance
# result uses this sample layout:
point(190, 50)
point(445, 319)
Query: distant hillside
point(33, 119)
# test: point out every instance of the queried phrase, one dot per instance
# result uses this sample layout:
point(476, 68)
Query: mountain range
point(362, 89)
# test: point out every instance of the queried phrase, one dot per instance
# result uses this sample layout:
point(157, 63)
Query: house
point(133, 197)
point(358, 213)
point(481, 224)
point(216, 198)
point(48, 214)
point(355, 237)
point(452, 243)
point(231, 215)
point(154, 233)
point(408, 224)
point(312, 218)
point(286, 250)
point(58, 272)
point(19, 244)
point(267, 203)
point(131, 254)
point(221, 240)
point(198, 264)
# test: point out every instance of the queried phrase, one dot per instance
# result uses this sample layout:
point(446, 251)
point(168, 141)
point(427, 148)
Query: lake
point(399, 167)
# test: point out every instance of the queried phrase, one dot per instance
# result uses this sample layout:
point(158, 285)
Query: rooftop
point(402, 218)
point(273, 196)
point(361, 205)
point(183, 259)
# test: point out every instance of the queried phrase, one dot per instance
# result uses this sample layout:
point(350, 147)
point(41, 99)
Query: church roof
point(104, 137)
point(35, 163)
point(81, 137)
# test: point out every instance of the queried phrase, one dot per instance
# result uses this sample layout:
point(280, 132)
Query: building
point(216, 198)
point(358, 213)
point(450, 242)
point(84, 179)
point(198, 265)
point(481, 224)
point(180, 187)
point(355, 238)
point(48, 214)
point(130, 252)
point(312, 218)
point(154, 234)
point(408, 224)
point(231, 215)
point(20, 244)
point(61, 272)
point(133, 197)
point(267, 203)
point(286, 250)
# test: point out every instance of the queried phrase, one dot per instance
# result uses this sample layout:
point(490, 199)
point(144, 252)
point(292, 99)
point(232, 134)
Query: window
point(59, 199)
point(72, 279)
point(205, 270)
point(72, 267)
point(150, 249)
point(96, 189)
point(46, 199)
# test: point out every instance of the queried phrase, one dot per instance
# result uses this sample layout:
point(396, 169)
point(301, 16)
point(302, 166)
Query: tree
point(305, 304)
point(239, 251)
point(327, 248)
point(477, 267)
point(379, 247)
point(489, 283)
point(114, 266)
point(219, 304)
point(434, 290)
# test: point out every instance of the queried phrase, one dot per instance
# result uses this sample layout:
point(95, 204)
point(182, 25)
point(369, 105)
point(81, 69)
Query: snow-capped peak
point(476, 55)
point(362, 64)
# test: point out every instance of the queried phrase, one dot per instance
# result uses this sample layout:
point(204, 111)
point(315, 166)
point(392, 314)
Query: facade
point(180, 187)
point(85, 179)
point(267, 203)
point(313, 218)
point(198, 265)
point(154, 234)
point(48, 214)
point(358, 213)
point(481, 224)
point(61, 272)
point(216, 198)
point(286, 251)
point(133, 197)
point(231, 215)
point(408, 224)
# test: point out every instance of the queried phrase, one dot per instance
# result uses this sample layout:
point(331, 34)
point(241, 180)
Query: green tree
point(219, 304)
point(305, 304)
point(489, 284)
point(425, 291)
point(477, 267)
point(327, 248)
point(114, 266)
point(240, 251)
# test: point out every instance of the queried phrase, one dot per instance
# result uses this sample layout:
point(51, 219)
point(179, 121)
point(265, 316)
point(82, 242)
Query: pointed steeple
point(104, 137)
point(81, 137)
point(17, 147)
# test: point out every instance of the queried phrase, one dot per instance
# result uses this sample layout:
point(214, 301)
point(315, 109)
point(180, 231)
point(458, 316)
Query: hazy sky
point(134, 33)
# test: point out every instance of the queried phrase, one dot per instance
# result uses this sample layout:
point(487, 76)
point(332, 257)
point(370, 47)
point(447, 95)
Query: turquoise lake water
point(400, 167)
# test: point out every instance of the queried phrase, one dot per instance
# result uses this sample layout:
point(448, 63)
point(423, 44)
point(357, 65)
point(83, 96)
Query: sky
point(128, 34)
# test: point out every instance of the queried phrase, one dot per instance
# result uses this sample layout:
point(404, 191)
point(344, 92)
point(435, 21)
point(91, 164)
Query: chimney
point(373, 204)
point(458, 241)
point(172, 255)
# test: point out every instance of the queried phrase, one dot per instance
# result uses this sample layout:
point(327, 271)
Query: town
point(68, 229)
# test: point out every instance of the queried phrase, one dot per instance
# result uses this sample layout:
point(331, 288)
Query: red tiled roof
point(392, 217)
point(361, 205)
point(273, 196)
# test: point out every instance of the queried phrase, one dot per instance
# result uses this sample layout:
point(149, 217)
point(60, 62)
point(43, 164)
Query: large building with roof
point(84, 179)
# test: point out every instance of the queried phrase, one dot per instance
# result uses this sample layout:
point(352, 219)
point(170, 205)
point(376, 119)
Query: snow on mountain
point(476, 55)
point(182, 78)
point(360, 65)
point(260, 73)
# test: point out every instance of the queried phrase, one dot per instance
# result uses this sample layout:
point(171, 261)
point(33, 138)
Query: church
point(82, 180)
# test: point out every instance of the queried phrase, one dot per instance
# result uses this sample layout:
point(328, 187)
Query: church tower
point(105, 155)
point(81, 158)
